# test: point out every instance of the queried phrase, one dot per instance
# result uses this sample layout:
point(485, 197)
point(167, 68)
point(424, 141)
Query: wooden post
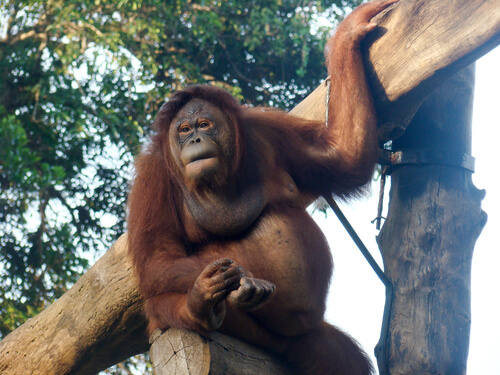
point(187, 353)
point(427, 241)
point(424, 43)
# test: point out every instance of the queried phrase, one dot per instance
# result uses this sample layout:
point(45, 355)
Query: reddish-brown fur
point(272, 293)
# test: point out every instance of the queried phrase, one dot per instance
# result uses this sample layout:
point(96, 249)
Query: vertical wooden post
point(427, 241)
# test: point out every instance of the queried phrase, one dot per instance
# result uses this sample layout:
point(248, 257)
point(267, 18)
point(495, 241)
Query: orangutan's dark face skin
point(201, 141)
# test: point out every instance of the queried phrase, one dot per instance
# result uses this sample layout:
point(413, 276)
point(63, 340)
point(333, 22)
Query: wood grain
point(417, 46)
point(180, 352)
point(97, 323)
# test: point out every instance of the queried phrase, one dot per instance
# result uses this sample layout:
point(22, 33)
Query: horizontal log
point(418, 45)
point(94, 325)
point(188, 353)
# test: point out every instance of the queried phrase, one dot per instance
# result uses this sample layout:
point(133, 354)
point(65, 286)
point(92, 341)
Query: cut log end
point(188, 353)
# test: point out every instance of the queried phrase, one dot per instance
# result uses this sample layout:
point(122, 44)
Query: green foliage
point(80, 82)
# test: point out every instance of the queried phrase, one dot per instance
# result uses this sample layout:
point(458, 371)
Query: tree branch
point(97, 323)
point(417, 46)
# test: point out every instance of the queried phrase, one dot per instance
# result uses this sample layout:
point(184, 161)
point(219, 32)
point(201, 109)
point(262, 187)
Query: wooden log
point(423, 44)
point(94, 325)
point(428, 238)
point(188, 353)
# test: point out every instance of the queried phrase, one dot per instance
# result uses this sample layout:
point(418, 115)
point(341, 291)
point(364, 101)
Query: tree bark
point(187, 353)
point(94, 325)
point(424, 43)
point(427, 241)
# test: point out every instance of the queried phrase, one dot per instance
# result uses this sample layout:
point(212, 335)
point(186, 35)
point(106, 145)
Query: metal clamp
point(427, 156)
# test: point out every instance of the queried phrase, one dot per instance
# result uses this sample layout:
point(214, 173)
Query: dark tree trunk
point(428, 238)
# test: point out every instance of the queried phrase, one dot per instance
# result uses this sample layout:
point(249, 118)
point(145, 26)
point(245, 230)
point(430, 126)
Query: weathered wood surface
point(97, 323)
point(428, 238)
point(178, 352)
point(423, 44)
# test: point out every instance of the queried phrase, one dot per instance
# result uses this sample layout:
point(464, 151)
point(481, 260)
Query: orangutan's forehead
point(195, 106)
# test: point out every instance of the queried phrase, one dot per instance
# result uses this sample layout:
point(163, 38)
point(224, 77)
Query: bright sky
point(357, 296)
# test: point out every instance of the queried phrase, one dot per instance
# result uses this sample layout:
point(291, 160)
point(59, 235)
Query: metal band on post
point(427, 156)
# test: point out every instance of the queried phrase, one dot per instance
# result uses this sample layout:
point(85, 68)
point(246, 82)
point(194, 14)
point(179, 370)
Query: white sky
point(357, 296)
